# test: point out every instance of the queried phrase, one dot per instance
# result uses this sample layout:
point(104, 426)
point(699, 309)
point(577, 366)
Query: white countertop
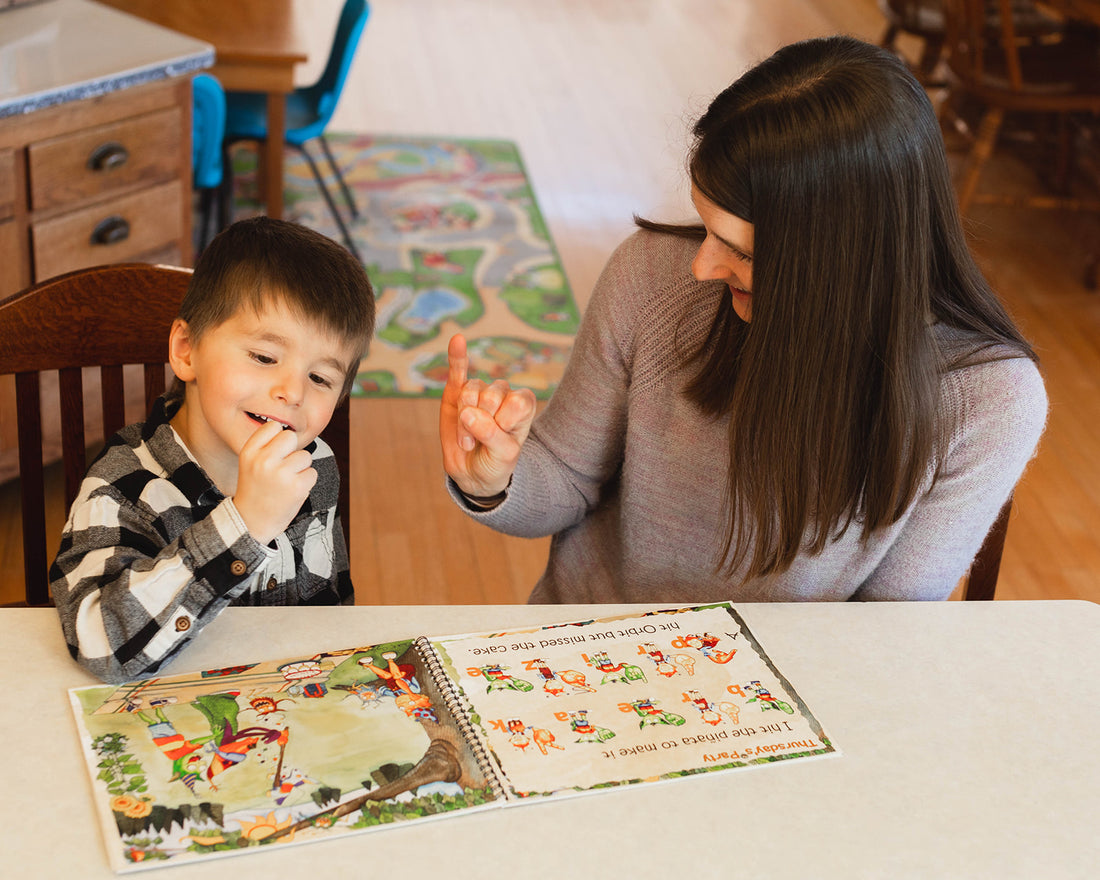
point(66, 50)
point(966, 731)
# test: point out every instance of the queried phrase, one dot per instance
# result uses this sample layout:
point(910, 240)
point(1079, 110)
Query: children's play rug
point(453, 241)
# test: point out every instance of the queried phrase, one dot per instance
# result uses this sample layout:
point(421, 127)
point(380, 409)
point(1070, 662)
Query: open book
point(229, 760)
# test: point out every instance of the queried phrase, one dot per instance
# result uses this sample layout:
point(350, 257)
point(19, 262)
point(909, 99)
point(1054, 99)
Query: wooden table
point(258, 43)
point(966, 729)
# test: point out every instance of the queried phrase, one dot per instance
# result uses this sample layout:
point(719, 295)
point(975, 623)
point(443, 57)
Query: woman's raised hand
point(481, 427)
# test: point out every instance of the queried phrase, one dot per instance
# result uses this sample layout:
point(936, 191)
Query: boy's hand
point(273, 479)
point(481, 427)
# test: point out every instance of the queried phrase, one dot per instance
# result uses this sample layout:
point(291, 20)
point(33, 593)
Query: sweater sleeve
point(129, 600)
point(1001, 409)
point(576, 443)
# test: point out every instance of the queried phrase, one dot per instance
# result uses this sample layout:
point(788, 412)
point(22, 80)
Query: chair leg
point(331, 204)
point(207, 197)
point(340, 177)
point(226, 192)
point(979, 154)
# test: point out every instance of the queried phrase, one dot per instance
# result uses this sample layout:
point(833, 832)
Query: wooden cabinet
point(10, 274)
point(104, 179)
point(101, 180)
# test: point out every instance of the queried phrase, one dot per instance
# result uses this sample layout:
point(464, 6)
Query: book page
point(579, 706)
point(229, 760)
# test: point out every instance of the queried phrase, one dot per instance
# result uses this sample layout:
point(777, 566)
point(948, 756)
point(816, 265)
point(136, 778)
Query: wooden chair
point(105, 317)
point(1007, 73)
point(981, 583)
point(925, 19)
point(919, 18)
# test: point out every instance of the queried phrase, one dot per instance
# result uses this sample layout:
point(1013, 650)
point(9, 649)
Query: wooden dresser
point(95, 149)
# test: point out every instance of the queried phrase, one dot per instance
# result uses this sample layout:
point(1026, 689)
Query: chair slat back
point(981, 583)
point(984, 39)
point(107, 317)
point(964, 27)
point(349, 28)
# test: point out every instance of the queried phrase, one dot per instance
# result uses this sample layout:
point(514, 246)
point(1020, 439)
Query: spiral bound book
point(227, 761)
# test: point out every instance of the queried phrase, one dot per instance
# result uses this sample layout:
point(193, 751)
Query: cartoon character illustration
point(519, 737)
point(554, 683)
point(647, 710)
point(230, 744)
point(227, 744)
point(614, 672)
point(542, 737)
point(765, 698)
point(588, 732)
point(500, 680)
point(265, 705)
point(665, 665)
point(706, 644)
point(369, 693)
point(299, 671)
point(732, 711)
point(686, 662)
point(285, 783)
point(710, 714)
point(186, 765)
point(402, 685)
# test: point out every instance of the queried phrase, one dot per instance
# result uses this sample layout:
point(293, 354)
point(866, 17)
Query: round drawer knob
point(111, 230)
point(108, 156)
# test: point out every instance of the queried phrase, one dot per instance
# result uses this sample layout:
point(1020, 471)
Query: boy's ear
point(180, 351)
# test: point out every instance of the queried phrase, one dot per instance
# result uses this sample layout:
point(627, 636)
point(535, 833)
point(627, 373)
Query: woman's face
point(726, 252)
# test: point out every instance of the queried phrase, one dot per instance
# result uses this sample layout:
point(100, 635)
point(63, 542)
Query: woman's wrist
point(484, 502)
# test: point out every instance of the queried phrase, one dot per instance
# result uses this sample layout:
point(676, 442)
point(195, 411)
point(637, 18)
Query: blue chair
point(207, 167)
point(308, 109)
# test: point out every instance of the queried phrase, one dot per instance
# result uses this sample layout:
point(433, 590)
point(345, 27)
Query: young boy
point(225, 496)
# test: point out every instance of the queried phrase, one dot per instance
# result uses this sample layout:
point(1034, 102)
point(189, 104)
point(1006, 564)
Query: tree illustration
point(120, 771)
point(447, 757)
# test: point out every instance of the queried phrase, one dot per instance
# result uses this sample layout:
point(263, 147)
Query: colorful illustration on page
point(227, 760)
point(581, 706)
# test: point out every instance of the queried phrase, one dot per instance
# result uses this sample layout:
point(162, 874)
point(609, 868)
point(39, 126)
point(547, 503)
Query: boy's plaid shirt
point(152, 552)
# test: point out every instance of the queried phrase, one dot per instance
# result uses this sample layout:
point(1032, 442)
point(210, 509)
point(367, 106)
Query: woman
point(812, 395)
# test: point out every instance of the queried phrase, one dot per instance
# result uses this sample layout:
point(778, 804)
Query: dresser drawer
point(96, 161)
point(115, 231)
point(10, 277)
point(7, 182)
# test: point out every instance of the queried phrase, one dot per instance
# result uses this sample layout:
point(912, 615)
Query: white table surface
point(57, 51)
point(968, 732)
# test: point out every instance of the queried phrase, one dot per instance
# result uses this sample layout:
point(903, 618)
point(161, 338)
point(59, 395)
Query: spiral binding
point(456, 704)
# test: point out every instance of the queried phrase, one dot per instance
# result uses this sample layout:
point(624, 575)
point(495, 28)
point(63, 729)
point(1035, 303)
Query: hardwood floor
point(600, 95)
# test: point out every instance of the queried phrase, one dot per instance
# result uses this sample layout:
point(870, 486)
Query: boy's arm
point(128, 598)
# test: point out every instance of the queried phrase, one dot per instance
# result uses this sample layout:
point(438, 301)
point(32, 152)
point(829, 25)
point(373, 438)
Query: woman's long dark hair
point(831, 149)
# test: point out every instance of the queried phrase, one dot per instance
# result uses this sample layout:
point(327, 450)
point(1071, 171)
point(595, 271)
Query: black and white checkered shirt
point(153, 551)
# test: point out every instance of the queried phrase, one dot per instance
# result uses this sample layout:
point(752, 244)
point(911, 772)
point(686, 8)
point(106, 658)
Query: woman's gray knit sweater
point(630, 477)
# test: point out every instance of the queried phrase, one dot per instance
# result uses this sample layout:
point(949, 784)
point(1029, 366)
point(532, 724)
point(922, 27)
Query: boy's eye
point(318, 379)
point(261, 358)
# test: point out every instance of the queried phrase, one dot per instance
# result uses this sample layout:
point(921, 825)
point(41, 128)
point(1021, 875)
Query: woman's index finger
point(458, 361)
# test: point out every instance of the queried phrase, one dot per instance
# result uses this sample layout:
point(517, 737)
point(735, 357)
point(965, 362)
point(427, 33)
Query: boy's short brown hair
point(256, 259)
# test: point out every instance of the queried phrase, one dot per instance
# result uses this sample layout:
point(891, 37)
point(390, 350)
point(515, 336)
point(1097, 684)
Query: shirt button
point(183, 624)
point(238, 567)
point(272, 583)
